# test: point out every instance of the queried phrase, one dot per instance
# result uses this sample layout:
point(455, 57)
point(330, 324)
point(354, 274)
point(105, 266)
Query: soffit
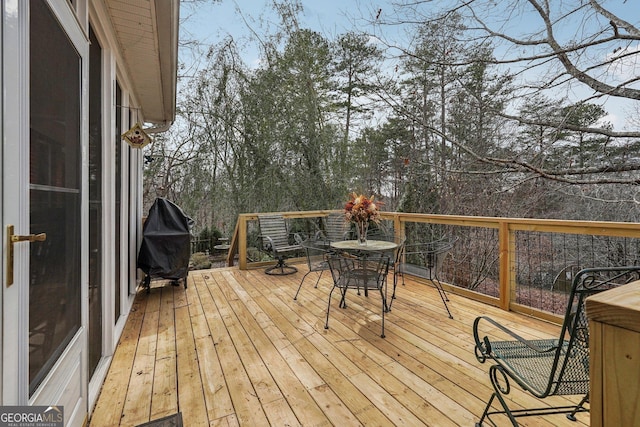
point(147, 32)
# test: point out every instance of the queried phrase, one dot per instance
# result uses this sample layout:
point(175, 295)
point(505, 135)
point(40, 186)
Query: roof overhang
point(147, 32)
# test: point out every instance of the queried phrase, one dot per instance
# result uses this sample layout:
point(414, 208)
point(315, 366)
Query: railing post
point(242, 242)
point(507, 263)
point(398, 226)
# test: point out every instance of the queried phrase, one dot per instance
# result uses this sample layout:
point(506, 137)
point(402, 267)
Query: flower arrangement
point(360, 210)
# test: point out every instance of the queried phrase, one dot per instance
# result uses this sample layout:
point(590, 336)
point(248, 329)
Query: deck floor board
point(235, 349)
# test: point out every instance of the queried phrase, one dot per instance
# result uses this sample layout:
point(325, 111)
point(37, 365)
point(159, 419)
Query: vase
point(361, 229)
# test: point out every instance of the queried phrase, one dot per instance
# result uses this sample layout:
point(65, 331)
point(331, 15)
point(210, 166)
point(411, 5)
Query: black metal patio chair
point(396, 254)
point(277, 241)
point(424, 260)
point(316, 251)
point(350, 272)
point(545, 367)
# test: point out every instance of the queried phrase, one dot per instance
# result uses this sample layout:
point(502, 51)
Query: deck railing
point(517, 264)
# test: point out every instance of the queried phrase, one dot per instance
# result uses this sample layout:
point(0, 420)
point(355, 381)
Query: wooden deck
point(235, 349)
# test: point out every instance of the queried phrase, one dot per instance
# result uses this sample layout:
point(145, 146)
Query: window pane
point(95, 202)
point(118, 222)
point(54, 288)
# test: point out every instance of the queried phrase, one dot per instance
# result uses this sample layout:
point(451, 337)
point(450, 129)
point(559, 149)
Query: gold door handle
point(29, 238)
point(13, 238)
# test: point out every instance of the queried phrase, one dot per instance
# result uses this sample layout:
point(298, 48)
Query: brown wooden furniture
point(614, 324)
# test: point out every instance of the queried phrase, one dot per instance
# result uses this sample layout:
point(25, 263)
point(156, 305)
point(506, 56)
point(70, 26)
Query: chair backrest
point(564, 279)
point(275, 228)
point(397, 254)
point(399, 251)
point(350, 272)
point(377, 264)
point(317, 251)
point(383, 230)
point(429, 255)
point(335, 227)
point(338, 265)
point(440, 250)
point(571, 373)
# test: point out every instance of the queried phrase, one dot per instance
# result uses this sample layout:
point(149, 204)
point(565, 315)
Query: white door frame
point(66, 383)
point(15, 128)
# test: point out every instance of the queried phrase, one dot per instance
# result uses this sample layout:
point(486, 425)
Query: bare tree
point(574, 51)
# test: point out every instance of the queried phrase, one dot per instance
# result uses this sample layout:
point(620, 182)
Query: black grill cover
point(166, 241)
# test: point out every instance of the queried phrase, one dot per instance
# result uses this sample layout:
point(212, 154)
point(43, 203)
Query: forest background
point(440, 107)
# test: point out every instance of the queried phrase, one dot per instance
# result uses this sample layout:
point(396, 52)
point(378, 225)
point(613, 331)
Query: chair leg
point(384, 308)
point(498, 390)
point(319, 277)
point(300, 285)
point(343, 298)
point(501, 388)
point(302, 281)
point(486, 410)
point(283, 268)
point(442, 293)
point(326, 324)
point(579, 408)
point(393, 294)
point(507, 411)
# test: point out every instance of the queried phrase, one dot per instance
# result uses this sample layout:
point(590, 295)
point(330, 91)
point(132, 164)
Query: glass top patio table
point(372, 245)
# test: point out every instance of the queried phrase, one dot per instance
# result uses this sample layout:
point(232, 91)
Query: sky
point(210, 22)
point(215, 19)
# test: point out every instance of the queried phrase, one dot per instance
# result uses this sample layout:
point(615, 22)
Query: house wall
point(14, 129)
point(131, 170)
